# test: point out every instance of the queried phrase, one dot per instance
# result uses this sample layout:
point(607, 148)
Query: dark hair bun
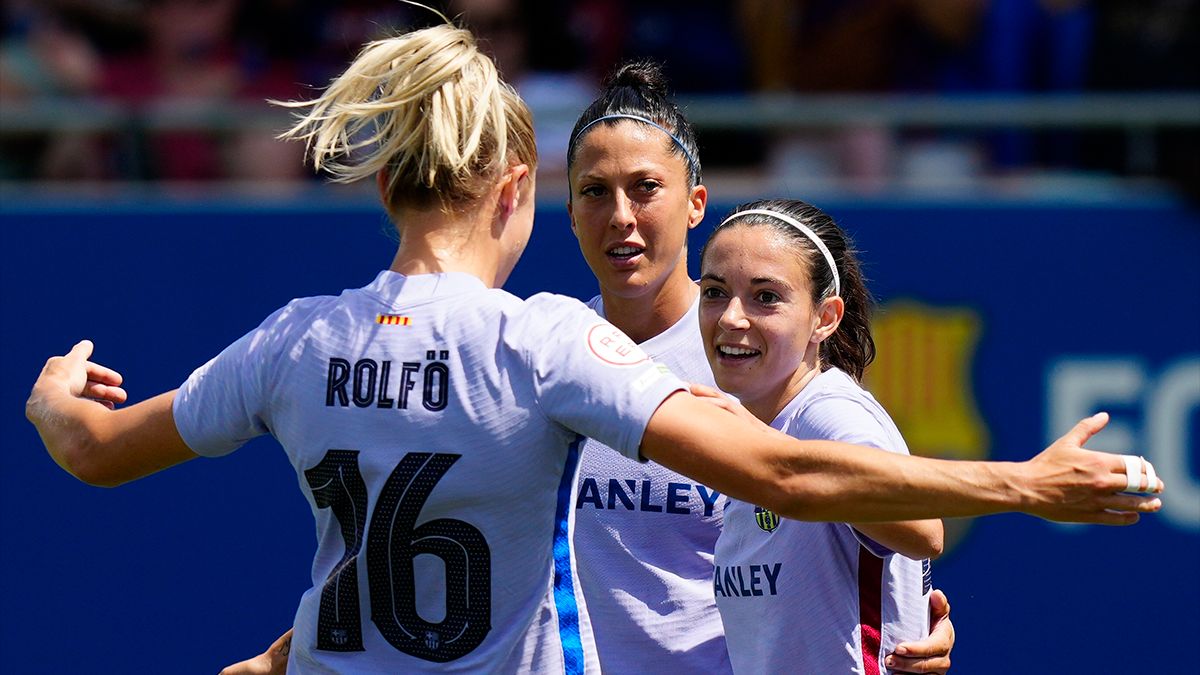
point(642, 74)
point(638, 89)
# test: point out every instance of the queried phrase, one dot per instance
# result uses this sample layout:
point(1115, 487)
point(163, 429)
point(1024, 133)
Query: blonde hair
point(430, 109)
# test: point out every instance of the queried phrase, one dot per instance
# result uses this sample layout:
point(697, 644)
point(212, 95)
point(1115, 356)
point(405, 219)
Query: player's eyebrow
point(758, 281)
point(648, 170)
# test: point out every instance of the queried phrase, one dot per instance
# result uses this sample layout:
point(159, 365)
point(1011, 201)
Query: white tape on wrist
point(1133, 473)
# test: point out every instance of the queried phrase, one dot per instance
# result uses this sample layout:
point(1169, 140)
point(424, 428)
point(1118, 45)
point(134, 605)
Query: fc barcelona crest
point(767, 520)
point(923, 378)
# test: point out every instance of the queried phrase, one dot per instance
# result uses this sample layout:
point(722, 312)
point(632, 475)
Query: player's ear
point(698, 201)
point(828, 317)
point(381, 183)
point(511, 191)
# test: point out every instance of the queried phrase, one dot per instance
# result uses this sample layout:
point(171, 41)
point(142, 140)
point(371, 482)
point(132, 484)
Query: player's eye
point(712, 292)
point(649, 186)
point(591, 190)
point(767, 297)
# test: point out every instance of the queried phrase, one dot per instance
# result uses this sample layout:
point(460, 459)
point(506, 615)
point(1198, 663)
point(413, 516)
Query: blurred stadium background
point(1022, 176)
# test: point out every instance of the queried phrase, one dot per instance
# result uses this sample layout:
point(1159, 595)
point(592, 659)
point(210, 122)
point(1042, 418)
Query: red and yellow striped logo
point(393, 320)
point(923, 378)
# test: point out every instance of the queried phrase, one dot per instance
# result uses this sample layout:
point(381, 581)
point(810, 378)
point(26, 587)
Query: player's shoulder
point(306, 307)
point(551, 311)
point(834, 406)
point(832, 388)
point(276, 335)
point(297, 314)
point(558, 302)
point(549, 326)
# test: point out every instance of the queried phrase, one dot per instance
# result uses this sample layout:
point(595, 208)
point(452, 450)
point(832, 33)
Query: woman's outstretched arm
point(836, 482)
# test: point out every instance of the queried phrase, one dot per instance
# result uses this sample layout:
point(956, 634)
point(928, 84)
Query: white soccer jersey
point(434, 425)
point(645, 537)
point(818, 597)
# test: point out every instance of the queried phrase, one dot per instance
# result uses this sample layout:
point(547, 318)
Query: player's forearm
point(835, 482)
point(69, 427)
point(915, 539)
point(105, 447)
point(856, 484)
point(819, 480)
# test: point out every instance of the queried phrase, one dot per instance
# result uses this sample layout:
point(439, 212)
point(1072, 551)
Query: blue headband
point(693, 166)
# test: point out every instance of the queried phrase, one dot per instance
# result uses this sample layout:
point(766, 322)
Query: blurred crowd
point(143, 54)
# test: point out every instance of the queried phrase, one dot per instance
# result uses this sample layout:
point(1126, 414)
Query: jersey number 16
point(392, 543)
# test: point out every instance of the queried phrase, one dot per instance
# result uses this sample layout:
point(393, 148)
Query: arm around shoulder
point(828, 481)
point(813, 480)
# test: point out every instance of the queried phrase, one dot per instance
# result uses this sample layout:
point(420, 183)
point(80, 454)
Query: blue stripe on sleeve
point(564, 583)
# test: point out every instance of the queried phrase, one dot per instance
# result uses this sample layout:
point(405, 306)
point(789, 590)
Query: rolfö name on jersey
point(384, 384)
point(744, 581)
point(645, 495)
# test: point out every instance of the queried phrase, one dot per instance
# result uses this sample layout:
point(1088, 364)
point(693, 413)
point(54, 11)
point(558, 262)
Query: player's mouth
point(732, 354)
point(624, 254)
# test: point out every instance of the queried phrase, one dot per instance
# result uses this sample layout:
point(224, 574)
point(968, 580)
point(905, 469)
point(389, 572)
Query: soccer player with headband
point(395, 475)
point(784, 318)
point(785, 321)
point(636, 191)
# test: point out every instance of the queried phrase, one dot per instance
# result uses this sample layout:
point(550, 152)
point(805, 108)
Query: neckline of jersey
point(393, 286)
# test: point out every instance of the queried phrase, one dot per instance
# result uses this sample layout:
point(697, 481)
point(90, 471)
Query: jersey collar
point(412, 287)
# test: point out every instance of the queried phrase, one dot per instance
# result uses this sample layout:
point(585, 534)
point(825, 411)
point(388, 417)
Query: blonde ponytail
point(429, 108)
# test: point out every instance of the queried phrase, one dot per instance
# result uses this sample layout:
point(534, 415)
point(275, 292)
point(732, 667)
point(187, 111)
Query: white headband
point(837, 281)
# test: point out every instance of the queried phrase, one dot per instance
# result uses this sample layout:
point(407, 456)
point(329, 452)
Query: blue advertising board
point(1000, 325)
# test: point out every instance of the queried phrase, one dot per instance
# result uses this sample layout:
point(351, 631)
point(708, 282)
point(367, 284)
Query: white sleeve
point(223, 403)
point(847, 420)
point(589, 376)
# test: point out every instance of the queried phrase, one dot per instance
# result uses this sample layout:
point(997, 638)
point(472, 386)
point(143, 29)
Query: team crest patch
point(923, 377)
point(607, 343)
point(393, 320)
point(767, 520)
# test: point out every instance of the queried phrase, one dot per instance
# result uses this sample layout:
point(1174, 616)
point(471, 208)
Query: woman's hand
point(73, 405)
point(932, 654)
point(80, 377)
point(271, 662)
point(721, 400)
point(1069, 483)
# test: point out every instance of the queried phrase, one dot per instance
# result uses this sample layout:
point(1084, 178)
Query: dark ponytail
point(851, 347)
point(640, 88)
